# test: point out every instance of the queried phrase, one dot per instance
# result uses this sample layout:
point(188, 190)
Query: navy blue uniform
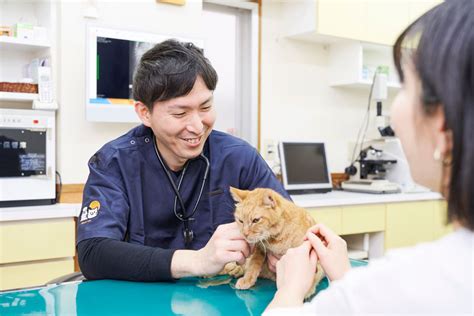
point(128, 196)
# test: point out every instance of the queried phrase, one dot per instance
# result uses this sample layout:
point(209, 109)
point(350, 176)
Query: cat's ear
point(269, 199)
point(238, 195)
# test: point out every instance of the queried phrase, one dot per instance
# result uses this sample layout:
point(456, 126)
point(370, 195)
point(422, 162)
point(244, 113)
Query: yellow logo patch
point(90, 212)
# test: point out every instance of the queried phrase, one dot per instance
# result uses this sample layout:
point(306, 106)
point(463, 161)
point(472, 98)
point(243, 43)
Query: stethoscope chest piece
point(188, 235)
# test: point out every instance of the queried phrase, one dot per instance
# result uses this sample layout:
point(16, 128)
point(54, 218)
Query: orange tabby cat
point(273, 224)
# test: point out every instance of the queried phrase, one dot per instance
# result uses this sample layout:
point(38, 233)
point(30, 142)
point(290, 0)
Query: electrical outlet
point(270, 150)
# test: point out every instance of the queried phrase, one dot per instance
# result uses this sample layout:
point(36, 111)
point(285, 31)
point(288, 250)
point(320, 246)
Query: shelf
point(18, 44)
point(16, 96)
point(357, 254)
point(123, 113)
point(364, 84)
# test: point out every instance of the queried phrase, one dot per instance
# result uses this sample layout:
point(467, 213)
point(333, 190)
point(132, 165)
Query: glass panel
point(22, 152)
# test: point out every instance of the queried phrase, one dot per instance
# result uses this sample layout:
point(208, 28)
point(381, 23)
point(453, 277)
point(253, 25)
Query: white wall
point(78, 139)
point(296, 101)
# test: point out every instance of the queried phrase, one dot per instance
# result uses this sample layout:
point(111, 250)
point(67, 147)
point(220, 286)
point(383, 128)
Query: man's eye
point(206, 108)
point(255, 220)
point(179, 114)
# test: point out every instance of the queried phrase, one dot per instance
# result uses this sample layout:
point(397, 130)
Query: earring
point(437, 155)
point(448, 161)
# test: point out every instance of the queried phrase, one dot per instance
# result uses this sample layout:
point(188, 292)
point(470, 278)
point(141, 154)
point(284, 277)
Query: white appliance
point(27, 157)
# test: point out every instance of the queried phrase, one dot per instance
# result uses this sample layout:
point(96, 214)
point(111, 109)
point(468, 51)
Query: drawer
point(37, 240)
point(441, 227)
point(409, 223)
point(14, 276)
point(329, 216)
point(363, 219)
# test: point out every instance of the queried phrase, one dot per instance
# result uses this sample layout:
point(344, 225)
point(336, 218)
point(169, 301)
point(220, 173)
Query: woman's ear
point(143, 113)
point(443, 136)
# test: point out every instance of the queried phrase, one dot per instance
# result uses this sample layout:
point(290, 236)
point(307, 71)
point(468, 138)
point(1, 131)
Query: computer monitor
point(304, 167)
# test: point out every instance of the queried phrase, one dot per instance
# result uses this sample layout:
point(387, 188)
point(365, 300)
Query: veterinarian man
point(156, 205)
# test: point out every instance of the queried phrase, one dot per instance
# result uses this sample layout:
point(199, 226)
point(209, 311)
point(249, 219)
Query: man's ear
point(238, 195)
point(143, 113)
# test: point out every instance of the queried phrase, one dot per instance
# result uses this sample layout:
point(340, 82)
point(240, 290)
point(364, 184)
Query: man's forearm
point(105, 258)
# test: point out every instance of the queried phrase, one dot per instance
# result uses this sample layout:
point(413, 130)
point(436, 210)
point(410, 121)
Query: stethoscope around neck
point(188, 233)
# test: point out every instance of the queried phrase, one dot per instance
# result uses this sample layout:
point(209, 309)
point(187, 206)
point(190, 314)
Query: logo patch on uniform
point(89, 212)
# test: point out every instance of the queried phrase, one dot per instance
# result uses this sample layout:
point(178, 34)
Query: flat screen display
point(305, 163)
point(116, 63)
point(22, 152)
point(111, 59)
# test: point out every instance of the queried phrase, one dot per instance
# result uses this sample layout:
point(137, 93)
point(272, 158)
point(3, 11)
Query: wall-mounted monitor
point(112, 56)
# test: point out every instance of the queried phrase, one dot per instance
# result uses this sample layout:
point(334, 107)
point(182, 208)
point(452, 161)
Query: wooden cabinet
point(341, 18)
point(403, 224)
point(34, 252)
point(329, 216)
point(373, 21)
point(441, 227)
point(415, 222)
point(363, 219)
point(409, 224)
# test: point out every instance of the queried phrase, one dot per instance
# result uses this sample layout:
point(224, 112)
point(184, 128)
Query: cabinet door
point(418, 7)
point(440, 219)
point(329, 216)
point(36, 240)
point(386, 19)
point(409, 223)
point(341, 18)
point(376, 21)
point(14, 276)
point(363, 219)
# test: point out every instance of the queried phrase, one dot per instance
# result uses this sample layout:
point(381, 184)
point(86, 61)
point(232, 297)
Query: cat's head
point(257, 213)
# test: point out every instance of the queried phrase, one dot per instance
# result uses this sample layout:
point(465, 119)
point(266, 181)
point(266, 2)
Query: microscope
point(382, 164)
point(371, 177)
point(375, 163)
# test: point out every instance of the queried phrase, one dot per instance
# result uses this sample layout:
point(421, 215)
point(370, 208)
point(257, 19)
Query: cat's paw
point(233, 269)
point(244, 283)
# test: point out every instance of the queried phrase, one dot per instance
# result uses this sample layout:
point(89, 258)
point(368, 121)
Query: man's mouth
point(193, 141)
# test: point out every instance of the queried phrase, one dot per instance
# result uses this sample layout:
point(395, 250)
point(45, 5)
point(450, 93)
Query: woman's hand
point(331, 250)
point(295, 274)
point(272, 261)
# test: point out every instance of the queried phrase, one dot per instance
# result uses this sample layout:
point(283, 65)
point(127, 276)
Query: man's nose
point(195, 124)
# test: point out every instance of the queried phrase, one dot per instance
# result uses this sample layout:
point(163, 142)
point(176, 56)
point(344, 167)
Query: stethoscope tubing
point(185, 218)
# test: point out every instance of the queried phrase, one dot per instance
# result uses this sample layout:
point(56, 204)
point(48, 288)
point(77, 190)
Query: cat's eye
point(255, 220)
point(241, 221)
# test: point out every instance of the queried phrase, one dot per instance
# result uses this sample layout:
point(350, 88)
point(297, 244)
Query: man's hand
point(331, 250)
point(226, 245)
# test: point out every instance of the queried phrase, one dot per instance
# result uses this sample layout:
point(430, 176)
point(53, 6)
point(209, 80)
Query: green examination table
point(189, 296)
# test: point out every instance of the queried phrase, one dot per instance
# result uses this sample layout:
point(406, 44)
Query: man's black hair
point(441, 46)
point(169, 70)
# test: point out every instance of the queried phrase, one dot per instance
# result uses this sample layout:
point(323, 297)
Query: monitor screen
point(304, 165)
point(111, 58)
